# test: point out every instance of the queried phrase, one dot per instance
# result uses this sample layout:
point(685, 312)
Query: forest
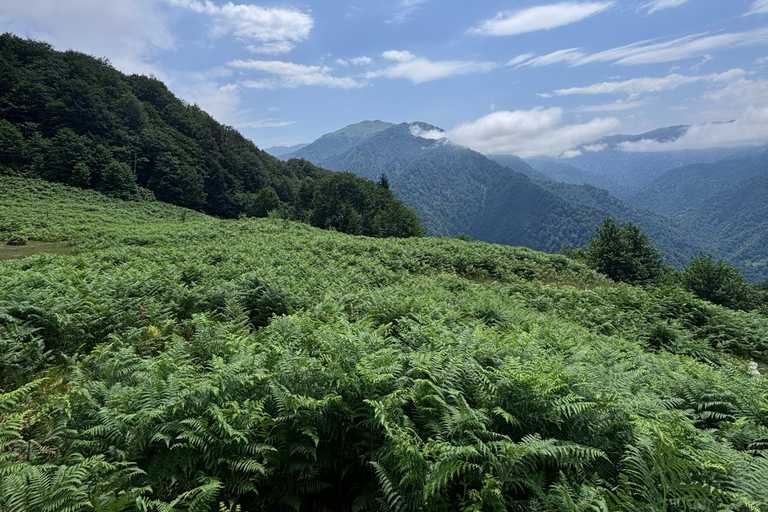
point(71, 118)
point(182, 362)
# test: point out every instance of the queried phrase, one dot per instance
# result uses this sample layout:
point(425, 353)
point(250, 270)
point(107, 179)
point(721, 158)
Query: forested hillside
point(684, 187)
point(456, 190)
point(71, 118)
point(736, 221)
point(673, 236)
point(179, 362)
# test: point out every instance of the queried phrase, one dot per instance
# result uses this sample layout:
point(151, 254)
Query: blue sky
point(526, 77)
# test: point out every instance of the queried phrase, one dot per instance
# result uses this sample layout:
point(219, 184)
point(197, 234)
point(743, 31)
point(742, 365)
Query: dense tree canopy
point(74, 119)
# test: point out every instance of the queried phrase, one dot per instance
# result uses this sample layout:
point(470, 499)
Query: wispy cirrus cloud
point(649, 52)
point(275, 30)
point(542, 17)
point(617, 106)
point(758, 7)
point(404, 10)
point(637, 86)
point(418, 69)
point(291, 75)
point(660, 5)
point(530, 133)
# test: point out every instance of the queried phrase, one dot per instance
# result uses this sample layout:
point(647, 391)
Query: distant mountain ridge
point(685, 187)
point(457, 190)
point(278, 151)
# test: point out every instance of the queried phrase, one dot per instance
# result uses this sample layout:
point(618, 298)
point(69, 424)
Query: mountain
point(687, 186)
point(519, 165)
point(279, 151)
point(71, 118)
point(671, 235)
point(457, 190)
point(559, 171)
point(332, 144)
point(735, 221)
point(623, 173)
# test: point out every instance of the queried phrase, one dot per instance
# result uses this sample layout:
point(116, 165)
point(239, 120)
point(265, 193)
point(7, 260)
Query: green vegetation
point(624, 254)
point(179, 362)
point(71, 118)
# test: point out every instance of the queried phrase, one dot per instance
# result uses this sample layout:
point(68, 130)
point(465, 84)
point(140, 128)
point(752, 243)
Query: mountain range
point(680, 199)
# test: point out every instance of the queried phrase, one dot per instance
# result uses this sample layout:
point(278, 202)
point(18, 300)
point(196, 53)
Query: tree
point(117, 181)
point(718, 282)
point(625, 254)
point(384, 181)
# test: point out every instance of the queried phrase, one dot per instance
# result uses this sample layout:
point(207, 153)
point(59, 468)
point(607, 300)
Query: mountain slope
point(685, 187)
point(278, 151)
point(736, 221)
point(559, 171)
point(670, 235)
point(456, 190)
point(337, 142)
point(71, 118)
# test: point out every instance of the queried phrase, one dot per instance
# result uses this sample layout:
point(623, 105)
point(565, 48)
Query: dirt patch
point(15, 252)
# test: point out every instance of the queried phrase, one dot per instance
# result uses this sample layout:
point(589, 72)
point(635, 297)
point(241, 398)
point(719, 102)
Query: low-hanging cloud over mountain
point(530, 133)
point(750, 129)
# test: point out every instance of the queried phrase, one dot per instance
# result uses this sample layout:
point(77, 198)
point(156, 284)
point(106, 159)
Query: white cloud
point(275, 48)
point(529, 133)
point(647, 52)
point(750, 129)
point(758, 7)
point(275, 29)
point(616, 106)
point(595, 148)
point(418, 69)
point(419, 131)
point(289, 75)
point(658, 5)
point(569, 55)
point(521, 59)
point(404, 10)
point(761, 61)
point(129, 32)
point(543, 17)
point(357, 61)
point(637, 86)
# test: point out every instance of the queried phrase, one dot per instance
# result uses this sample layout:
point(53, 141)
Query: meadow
point(180, 362)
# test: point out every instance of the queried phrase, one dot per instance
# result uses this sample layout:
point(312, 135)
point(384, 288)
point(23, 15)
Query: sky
point(526, 77)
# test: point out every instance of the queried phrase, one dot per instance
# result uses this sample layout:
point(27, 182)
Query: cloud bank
point(530, 133)
point(750, 129)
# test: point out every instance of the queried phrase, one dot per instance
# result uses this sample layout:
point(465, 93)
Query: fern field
point(178, 362)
